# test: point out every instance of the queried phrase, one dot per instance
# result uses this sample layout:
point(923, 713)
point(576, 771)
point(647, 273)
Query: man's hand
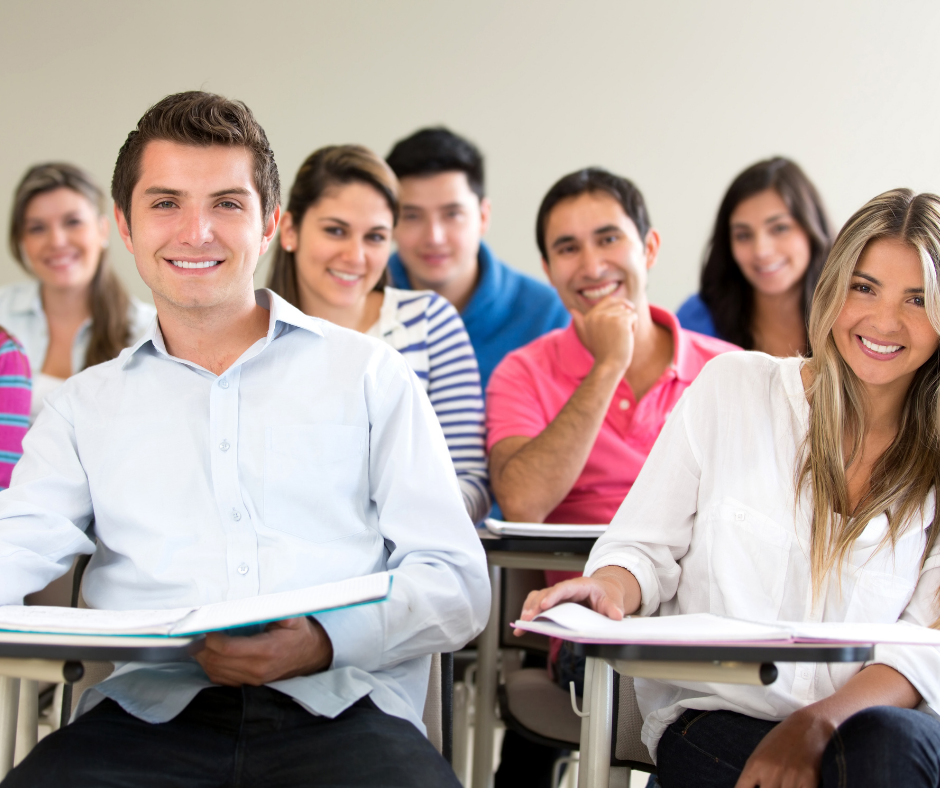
point(790, 755)
point(294, 647)
point(607, 331)
point(611, 591)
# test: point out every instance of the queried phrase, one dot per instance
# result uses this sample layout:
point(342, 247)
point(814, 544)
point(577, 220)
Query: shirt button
point(624, 404)
point(223, 384)
point(236, 515)
point(225, 445)
point(243, 569)
point(805, 674)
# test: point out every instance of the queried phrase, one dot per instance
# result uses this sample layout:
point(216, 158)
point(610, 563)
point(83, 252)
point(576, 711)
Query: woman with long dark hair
point(767, 249)
point(75, 312)
point(335, 241)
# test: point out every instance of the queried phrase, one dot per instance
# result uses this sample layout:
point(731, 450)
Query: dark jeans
point(881, 746)
point(233, 737)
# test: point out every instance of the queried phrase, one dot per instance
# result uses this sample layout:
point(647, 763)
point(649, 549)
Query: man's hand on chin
point(294, 647)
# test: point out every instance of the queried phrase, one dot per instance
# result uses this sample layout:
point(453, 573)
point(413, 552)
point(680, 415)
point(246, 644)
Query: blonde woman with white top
point(801, 489)
point(74, 312)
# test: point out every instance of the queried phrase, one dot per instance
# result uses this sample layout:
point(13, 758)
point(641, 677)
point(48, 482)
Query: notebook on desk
point(198, 620)
point(575, 622)
point(556, 530)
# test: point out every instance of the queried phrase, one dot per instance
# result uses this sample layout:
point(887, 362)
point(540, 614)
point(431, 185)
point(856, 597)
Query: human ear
point(269, 229)
point(485, 206)
point(651, 248)
point(289, 239)
point(123, 229)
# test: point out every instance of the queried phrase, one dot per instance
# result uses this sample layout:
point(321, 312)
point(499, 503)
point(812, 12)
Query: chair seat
point(542, 706)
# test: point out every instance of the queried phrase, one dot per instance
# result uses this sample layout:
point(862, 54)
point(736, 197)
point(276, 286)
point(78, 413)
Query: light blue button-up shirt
point(315, 457)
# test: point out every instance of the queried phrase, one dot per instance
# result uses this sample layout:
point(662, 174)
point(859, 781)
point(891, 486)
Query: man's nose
point(592, 263)
point(435, 232)
point(195, 227)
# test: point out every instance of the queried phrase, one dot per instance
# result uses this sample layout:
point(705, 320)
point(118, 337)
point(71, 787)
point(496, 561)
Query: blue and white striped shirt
point(427, 330)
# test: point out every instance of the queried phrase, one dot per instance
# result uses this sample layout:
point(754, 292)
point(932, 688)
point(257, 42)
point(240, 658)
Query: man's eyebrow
point(607, 228)
point(870, 278)
point(164, 190)
point(561, 240)
point(239, 190)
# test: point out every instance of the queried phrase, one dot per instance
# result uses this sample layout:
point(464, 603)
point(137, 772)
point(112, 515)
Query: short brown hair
point(324, 169)
point(201, 119)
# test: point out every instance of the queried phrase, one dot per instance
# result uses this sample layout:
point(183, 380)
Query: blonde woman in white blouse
point(801, 489)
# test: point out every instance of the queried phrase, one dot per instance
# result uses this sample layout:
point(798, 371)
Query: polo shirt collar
point(579, 361)
point(283, 316)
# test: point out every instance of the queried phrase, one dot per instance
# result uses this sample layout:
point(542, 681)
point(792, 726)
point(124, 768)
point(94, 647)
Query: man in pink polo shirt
point(572, 416)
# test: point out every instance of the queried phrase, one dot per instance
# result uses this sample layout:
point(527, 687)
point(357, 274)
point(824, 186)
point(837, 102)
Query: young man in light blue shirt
point(242, 448)
point(444, 215)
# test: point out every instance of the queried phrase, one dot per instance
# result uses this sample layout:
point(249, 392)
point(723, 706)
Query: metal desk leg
point(27, 726)
point(594, 769)
point(486, 679)
point(9, 702)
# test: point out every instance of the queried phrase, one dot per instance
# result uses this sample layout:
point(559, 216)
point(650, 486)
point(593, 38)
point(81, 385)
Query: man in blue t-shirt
point(444, 214)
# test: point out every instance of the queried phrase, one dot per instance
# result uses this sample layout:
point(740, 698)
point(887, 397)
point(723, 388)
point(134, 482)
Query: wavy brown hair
point(723, 288)
point(108, 301)
point(904, 475)
point(325, 169)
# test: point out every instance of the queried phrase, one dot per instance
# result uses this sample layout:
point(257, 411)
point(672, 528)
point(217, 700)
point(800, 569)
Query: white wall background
point(679, 96)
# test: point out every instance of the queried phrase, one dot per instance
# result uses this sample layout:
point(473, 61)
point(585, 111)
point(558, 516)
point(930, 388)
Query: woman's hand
point(790, 755)
point(611, 591)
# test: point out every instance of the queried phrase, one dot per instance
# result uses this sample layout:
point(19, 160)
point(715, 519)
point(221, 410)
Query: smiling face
point(595, 251)
point(196, 225)
point(770, 247)
point(439, 231)
point(341, 247)
point(883, 332)
point(63, 237)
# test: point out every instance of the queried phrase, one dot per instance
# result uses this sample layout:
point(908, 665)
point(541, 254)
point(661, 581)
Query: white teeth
point(769, 269)
point(186, 264)
point(880, 348)
point(344, 276)
point(600, 292)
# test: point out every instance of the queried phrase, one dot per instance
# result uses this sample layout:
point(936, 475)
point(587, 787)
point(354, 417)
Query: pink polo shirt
point(532, 384)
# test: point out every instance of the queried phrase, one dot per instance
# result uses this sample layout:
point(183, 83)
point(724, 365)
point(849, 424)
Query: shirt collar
point(489, 285)
point(388, 315)
point(579, 361)
point(27, 300)
point(283, 316)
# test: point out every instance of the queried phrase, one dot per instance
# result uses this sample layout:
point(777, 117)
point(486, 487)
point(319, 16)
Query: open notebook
point(570, 621)
point(502, 528)
point(194, 621)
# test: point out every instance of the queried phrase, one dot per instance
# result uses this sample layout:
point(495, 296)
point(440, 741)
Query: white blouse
point(712, 525)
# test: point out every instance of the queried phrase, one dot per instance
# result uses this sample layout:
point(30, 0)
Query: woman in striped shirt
point(15, 395)
point(335, 241)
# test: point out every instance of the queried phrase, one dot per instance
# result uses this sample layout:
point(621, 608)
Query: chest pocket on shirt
point(316, 480)
point(748, 555)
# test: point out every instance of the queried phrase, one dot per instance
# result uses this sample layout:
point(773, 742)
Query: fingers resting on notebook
point(610, 591)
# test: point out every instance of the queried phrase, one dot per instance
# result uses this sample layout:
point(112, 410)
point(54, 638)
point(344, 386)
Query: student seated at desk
point(75, 312)
point(770, 240)
point(444, 215)
point(242, 448)
point(804, 490)
point(335, 239)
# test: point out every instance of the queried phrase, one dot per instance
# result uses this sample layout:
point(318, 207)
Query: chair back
point(628, 749)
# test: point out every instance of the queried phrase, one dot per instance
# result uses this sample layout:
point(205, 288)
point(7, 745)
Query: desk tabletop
point(108, 648)
point(781, 652)
point(534, 544)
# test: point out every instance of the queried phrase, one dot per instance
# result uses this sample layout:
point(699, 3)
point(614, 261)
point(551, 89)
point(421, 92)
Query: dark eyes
point(862, 288)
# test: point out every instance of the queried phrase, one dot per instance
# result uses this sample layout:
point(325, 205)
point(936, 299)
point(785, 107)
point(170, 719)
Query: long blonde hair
point(903, 476)
point(108, 301)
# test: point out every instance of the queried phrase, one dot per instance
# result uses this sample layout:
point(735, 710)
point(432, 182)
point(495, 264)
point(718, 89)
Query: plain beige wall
point(679, 96)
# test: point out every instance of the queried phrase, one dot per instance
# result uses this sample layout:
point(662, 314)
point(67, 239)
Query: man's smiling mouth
point(202, 264)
